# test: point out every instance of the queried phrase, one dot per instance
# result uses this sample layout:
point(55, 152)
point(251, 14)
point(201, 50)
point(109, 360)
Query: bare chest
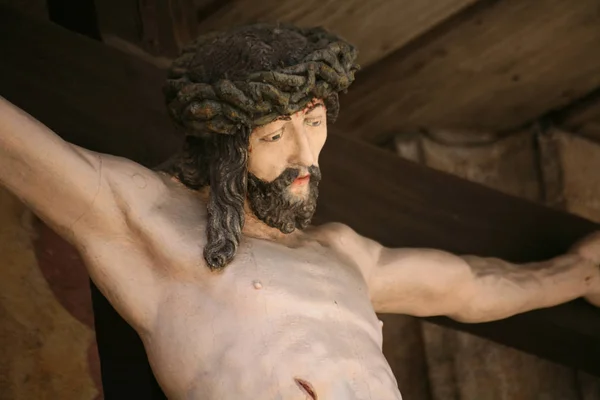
point(273, 318)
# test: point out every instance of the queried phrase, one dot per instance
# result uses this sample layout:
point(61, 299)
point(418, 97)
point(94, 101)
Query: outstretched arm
point(93, 200)
point(426, 282)
point(475, 289)
point(60, 182)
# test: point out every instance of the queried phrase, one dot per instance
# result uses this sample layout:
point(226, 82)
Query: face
point(283, 168)
point(293, 142)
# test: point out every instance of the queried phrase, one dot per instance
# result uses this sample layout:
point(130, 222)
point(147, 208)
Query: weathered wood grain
point(376, 27)
point(494, 67)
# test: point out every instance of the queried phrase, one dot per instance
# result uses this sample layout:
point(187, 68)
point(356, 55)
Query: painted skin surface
point(276, 314)
point(293, 316)
point(289, 319)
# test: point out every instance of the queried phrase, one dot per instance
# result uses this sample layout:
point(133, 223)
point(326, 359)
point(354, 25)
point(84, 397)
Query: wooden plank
point(156, 26)
point(376, 27)
point(107, 101)
point(120, 18)
point(494, 67)
point(76, 15)
point(39, 77)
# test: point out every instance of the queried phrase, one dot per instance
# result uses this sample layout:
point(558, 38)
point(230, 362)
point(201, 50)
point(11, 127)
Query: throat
point(255, 228)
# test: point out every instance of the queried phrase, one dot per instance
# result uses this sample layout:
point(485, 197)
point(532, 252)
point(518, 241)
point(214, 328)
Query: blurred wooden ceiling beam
point(493, 67)
point(376, 27)
point(582, 117)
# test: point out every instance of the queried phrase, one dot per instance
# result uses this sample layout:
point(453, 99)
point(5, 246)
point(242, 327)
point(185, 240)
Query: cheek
point(264, 163)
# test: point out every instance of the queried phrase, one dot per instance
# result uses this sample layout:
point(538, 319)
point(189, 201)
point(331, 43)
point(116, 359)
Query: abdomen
point(268, 351)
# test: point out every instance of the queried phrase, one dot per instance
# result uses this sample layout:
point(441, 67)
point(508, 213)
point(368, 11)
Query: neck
point(254, 227)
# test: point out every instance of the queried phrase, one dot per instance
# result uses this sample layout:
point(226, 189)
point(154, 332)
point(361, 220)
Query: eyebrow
point(313, 107)
point(308, 109)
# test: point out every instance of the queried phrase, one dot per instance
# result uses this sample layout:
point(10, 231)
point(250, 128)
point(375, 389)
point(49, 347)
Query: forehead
point(311, 106)
point(315, 103)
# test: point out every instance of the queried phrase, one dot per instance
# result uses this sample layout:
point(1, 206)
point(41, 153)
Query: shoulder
point(120, 175)
point(333, 233)
point(125, 175)
point(138, 190)
point(349, 244)
point(127, 191)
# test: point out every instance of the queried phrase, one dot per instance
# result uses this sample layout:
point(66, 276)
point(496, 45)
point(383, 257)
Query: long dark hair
point(219, 161)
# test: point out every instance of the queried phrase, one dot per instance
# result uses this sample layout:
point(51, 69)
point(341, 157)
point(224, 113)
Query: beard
point(275, 205)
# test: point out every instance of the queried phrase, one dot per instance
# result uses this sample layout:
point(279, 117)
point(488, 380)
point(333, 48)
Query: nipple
point(257, 285)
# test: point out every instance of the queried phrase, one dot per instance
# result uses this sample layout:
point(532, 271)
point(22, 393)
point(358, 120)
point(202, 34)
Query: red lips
point(302, 179)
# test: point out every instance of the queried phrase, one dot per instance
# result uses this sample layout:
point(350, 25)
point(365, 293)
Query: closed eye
point(273, 137)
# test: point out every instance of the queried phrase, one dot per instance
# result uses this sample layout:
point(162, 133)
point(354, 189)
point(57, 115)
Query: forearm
point(499, 289)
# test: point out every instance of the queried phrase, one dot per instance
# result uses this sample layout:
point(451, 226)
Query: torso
point(278, 317)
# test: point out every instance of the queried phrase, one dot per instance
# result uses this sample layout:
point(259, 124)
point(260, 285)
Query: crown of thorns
point(255, 74)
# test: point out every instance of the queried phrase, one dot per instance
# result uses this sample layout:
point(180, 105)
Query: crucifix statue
point(211, 257)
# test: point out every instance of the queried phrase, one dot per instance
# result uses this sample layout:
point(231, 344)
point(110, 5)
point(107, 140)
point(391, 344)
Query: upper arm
point(115, 240)
point(74, 190)
point(57, 180)
point(420, 282)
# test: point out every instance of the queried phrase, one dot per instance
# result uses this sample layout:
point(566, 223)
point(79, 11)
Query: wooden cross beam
point(107, 101)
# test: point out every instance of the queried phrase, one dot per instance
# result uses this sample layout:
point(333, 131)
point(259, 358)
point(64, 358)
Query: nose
point(302, 154)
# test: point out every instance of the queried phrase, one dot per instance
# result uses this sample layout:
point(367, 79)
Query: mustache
point(271, 204)
point(287, 177)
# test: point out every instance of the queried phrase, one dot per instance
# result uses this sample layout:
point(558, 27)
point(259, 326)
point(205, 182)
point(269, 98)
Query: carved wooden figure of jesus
point(211, 257)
